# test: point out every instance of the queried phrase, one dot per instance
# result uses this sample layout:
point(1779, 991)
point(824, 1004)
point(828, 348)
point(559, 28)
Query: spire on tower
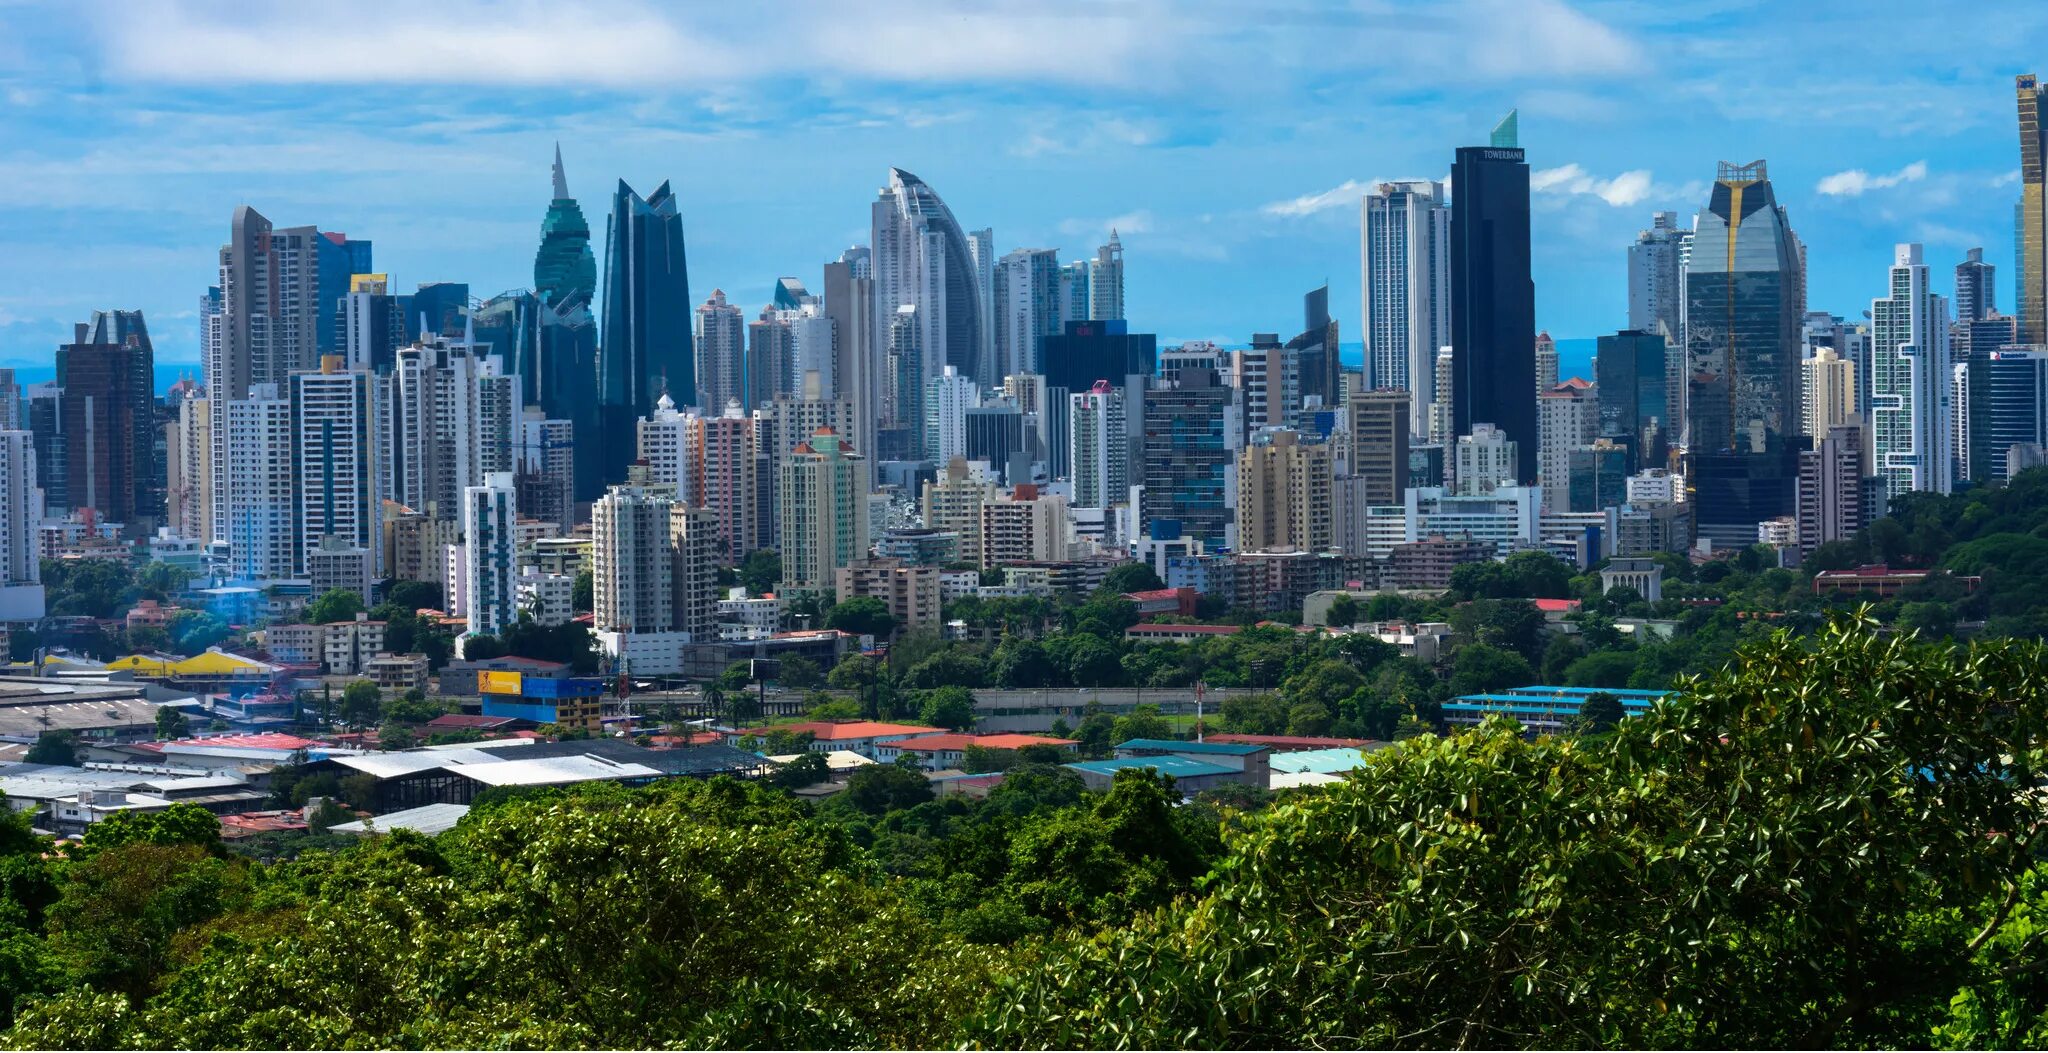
point(561, 181)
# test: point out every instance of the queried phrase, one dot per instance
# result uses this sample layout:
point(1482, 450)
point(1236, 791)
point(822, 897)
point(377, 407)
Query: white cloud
point(1520, 38)
point(1344, 195)
point(1857, 181)
point(1138, 222)
point(1629, 188)
point(621, 43)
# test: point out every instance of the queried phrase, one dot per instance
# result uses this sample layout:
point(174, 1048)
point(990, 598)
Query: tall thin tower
point(1406, 262)
point(2032, 224)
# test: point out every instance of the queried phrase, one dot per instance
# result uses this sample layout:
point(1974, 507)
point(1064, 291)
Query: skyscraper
point(2008, 407)
point(981, 247)
point(1192, 429)
point(1026, 307)
point(1568, 417)
point(256, 505)
point(1315, 352)
point(1406, 237)
point(922, 260)
point(559, 367)
point(1546, 363)
point(647, 346)
point(1378, 426)
point(1976, 288)
point(823, 508)
point(2031, 228)
point(107, 414)
point(334, 461)
point(1831, 487)
point(1743, 310)
point(372, 324)
point(1629, 373)
point(1283, 495)
point(490, 584)
point(1098, 446)
point(721, 351)
point(850, 305)
point(21, 510)
point(1493, 300)
point(1656, 277)
point(1106, 281)
point(1830, 392)
point(188, 469)
point(633, 577)
point(771, 356)
point(1910, 377)
point(947, 399)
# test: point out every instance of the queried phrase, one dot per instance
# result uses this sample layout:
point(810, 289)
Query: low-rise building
point(1880, 581)
point(1645, 576)
point(935, 752)
point(1151, 632)
point(859, 736)
point(1428, 564)
point(397, 673)
point(909, 590)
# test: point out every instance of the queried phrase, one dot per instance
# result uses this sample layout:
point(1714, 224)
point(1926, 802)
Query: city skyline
point(442, 159)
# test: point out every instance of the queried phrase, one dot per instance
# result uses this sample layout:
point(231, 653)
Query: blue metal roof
point(1234, 749)
point(1325, 762)
point(1178, 767)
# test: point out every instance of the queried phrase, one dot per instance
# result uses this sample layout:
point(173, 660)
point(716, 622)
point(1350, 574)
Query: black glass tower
point(1493, 300)
point(647, 347)
point(1629, 379)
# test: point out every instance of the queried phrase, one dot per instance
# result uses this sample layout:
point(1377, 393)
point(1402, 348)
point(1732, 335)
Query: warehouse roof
point(1229, 749)
point(429, 819)
point(1326, 762)
point(1178, 767)
point(551, 771)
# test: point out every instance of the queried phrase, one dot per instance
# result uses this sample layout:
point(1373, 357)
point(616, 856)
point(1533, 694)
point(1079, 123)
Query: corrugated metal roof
point(551, 771)
point(430, 819)
point(1178, 767)
point(1325, 762)
point(1232, 749)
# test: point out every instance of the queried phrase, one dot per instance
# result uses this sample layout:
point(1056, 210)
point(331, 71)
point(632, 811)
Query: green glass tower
point(558, 339)
point(564, 268)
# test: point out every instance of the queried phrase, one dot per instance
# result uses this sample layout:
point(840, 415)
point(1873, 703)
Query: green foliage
point(334, 605)
point(413, 595)
point(1480, 668)
point(808, 769)
point(414, 707)
point(1142, 722)
point(800, 673)
point(1600, 713)
point(1344, 611)
point(171, 723)
point(362, 704)
point(54, 747)
point(950, 707)
point(862, 615)
point(1132, 577)
point(583, 591)
point(1524, 575)
point(760, 571)
point(98, 588)
point(879, 788)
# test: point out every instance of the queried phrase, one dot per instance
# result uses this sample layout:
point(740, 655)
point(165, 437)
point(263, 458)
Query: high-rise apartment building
point(697, 551)
point(850, 305)
point(1850, 342)
point(661, 441)
point(1099, 448)
point(1831, 486)
point(490, 585)
point(334, 461)
point(107, 413)
point(947, 399)
point(372, 323)
point(1656, 277)
point(1267, 377)
point(188, 469)
point(952, 504)
point(1829, 391)
point(1976, 288)
point(1025, 525)
point(1106, 281)
point(981, 249)
point(771, 355)
point(648, 346)
point(782, 426)
point(922, 260)
point(1026, 307)
point(724, 473)
point(256, 506)
point(2031, 228)
point(633, 601)
point(1377, 424)
point(1406, 235)
point(1283, 495)
point(1493, 300)
point(823, 507)
point(546, 468)
point(21, 511)
point(1911, 397)
point(721, 351)
point(1546, 366)
point(452, 419)
point(1568, 417)
point(1485, 461)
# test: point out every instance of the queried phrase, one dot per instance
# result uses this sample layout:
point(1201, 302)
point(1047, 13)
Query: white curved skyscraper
point(922, 259)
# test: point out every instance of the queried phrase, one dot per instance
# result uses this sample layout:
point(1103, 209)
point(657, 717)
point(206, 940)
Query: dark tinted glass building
point(648, 346)
point(107, 415)
point(1187, 454)
point(1493, 300)
point(1745, 295)
point(1630, 386)
point(2007, 392)
point(1315, 349)
point(1085, 352)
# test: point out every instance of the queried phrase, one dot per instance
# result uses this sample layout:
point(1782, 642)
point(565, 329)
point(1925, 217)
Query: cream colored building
point(1283, 495)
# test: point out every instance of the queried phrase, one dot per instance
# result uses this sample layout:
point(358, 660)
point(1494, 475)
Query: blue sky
point(1227, 141)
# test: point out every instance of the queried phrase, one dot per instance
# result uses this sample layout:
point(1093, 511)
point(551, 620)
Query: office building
point(1314, 354)
point(2008, 408)
point(1099, 446)
point(771, 356)
point(648, 346)
point(1595, 478)
point(335, 462)
point(490, 583)
point(1744, 302)
point(1831, 487)
point(1653, 528)
point(1911, 394)
point(1485, 461)
point(922, 260)
point(850, 305)
point(822, 505)
point(1190, 435)
point(2031, 227)
point(1268, 382)
point(1085, 352)
point(994, 433)
point(1568, 417)
point(21, 511)
point(1027, 307)
point(1631, 387)
point(721, 351)
point(1976, 288)
point(373, 323)
point(1283, 495)
point(1829, 391)
point(1377, 426)
point(1023, 526)
point(107, 413)
point(437, 309)
point(1493, 300)
point(1406, 258)
point(1734, 491)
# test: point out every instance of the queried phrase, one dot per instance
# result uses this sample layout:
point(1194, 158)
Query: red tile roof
point(1198, 630)
point(268, 740)
point(1549, 606)
point(845, 730)
point(935, 743)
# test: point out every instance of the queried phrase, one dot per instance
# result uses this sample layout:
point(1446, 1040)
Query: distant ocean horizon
point(1574, 358)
